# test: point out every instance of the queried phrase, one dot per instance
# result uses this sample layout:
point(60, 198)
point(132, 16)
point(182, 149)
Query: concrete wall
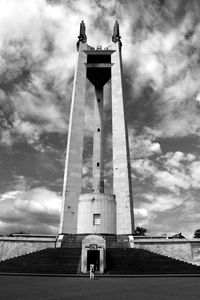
point(74, 152)
point(122, 185)
point(182, 249)
point(185, 250)
point(103, 204)
point(19, 245)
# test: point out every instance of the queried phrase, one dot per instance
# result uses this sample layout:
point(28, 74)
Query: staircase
point(139, 261)
point(118, 261)
point(48, 261)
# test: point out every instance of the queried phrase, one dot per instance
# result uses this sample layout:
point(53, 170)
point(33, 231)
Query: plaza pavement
point(106, 288)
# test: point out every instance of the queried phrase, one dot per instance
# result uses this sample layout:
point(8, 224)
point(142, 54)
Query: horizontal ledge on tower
point(99, 65)
point(99, 52)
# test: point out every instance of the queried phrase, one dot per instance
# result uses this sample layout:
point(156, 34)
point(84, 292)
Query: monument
point(97, 226)
point(97, 212)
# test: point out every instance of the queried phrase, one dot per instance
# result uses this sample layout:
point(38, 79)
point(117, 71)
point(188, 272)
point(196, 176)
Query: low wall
point(19, 245)
point(182, 249)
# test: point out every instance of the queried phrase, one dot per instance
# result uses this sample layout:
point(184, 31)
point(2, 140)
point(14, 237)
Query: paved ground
point(59, 288)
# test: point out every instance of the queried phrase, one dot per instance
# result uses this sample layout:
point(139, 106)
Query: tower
point(97, 212)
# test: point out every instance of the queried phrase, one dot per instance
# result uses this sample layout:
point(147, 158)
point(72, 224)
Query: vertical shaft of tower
point(74, 152)
point(98, 159)
point(122, 187)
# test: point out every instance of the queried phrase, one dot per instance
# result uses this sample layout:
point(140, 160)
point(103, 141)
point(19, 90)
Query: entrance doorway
point(93, 257)
point(93, 252)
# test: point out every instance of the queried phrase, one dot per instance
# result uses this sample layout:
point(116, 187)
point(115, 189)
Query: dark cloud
point(32, 211)
point(161, 82)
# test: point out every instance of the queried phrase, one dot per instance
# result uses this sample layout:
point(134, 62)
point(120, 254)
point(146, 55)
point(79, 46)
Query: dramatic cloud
point(171, 184)
point(173, 171)
point(36, 210)
point(161, 84)
point(35, 66)
point(143, 145)
point(163, 62)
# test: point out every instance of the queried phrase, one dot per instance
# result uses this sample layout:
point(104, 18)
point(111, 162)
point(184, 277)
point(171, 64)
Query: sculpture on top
point(82, 35)
point(116, 36)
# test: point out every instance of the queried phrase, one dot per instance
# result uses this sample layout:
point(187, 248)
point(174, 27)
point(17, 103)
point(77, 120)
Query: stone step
point(139, 261)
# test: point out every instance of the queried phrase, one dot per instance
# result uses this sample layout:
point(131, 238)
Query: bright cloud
point(195, 174)
point(35, 210)
point(173, 171)
point(143, 146)
point(163, 55)
point(161, 202)
point(161, 66)
point(172, 181)
point(173, 185)
point(144, 167)
point(35, 66)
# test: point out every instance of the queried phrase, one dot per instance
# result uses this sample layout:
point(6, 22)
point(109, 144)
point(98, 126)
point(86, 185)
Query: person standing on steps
point(92, 271)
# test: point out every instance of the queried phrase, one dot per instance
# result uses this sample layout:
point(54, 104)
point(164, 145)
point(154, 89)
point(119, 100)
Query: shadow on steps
point(48, 261)
point(139, 261)
point(118, 261)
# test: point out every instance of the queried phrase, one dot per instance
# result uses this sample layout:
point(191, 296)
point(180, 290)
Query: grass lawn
point(59, 288)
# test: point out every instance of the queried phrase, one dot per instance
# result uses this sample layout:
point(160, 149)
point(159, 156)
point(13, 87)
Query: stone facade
point(93, 204)
point(182, 249)
point(20, 245)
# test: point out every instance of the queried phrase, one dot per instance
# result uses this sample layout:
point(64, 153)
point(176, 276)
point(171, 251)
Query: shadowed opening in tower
point(98, 67)
point(93, 257)
point(98, 76)
point(96, 59)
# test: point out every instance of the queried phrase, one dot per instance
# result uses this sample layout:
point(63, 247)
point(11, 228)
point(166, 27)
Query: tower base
point(111, 240)
point(96, 214)
point(93, 248)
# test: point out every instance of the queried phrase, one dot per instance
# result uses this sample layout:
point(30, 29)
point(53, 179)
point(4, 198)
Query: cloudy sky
point(161, 57)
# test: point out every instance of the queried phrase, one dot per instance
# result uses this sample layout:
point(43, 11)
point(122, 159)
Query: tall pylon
point(97, 211)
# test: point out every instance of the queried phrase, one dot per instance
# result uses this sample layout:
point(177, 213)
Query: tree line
point(140, 231)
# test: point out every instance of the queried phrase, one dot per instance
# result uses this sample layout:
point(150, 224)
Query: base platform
point(113, 254)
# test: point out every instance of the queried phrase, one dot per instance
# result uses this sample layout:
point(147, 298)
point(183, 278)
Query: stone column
point(74, 152)
point(122, 186)
point(98, 161)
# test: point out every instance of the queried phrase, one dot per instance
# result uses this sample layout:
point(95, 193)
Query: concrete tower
point(97, 212)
